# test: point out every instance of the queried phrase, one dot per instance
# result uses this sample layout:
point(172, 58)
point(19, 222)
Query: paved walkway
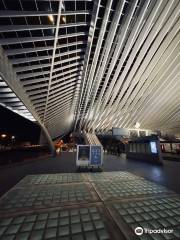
point(167, 175)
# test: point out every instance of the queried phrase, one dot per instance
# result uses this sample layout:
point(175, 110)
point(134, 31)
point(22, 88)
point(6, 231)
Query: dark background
point(13, 124)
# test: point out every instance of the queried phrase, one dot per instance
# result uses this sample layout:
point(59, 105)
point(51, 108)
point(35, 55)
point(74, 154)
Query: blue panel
point(153, 147)
point(95, 155)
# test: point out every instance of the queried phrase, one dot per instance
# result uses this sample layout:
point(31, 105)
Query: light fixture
point(51, 18)
point(3, 135)
point(22, 110)
point(137, 125)
point(64, 19)
point(13, 137)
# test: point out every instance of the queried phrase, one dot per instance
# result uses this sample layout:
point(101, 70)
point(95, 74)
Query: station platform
point(88, 206)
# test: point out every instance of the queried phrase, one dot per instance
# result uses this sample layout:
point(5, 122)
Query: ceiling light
point(64, 19)
point(51, 18)
point(137, 125)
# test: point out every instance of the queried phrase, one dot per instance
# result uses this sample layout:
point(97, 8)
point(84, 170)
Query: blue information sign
point(96, 155)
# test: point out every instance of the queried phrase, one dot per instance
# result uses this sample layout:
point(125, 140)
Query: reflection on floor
point(88, 206)
point(167, 175)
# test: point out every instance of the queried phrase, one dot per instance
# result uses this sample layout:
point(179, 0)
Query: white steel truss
point(91, 65)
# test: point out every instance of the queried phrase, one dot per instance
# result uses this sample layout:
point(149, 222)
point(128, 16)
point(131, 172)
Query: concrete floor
point(167, 175)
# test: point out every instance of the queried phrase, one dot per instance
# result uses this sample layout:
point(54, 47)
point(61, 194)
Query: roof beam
point(17, 28)
point(13, 13)
point(19, 40)
point(11, 79)
point(145, 42)
point(38, 58)
point(105, 53)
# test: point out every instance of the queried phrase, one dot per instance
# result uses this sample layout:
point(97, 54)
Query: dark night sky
point(13, 124)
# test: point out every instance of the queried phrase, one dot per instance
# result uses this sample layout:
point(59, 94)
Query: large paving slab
point(88, 206)
point(154, 213)
point(30, 198)
point(91, 222)
point(112, 176)
point(46, 179)
point(128, 189)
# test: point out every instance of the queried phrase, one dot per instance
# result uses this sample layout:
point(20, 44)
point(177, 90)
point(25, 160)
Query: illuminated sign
point(153, 147)
point(96, 155)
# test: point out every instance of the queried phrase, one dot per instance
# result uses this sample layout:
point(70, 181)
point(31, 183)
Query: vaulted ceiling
point(93, 65)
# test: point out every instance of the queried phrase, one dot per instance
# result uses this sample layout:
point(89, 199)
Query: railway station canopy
point(91, 65)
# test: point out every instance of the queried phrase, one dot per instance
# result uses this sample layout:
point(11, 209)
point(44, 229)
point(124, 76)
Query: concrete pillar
point(45, 139)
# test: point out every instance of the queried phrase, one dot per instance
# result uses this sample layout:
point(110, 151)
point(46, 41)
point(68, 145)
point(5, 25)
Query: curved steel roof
point(92, 65)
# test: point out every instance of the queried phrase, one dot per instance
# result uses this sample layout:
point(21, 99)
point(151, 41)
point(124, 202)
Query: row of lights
point(51, 17)
point(5, 135)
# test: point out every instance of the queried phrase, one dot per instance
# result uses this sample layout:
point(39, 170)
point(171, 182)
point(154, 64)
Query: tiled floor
point(87, 222)
point(47, 179)
point(157, 213)
point(35, 197)
point(88, 206)
point(127, 189)
point(108, 176)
